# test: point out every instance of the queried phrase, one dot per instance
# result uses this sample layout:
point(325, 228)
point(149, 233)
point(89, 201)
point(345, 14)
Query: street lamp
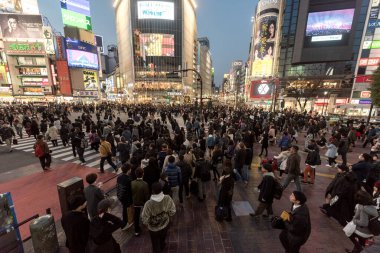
point(324, 108)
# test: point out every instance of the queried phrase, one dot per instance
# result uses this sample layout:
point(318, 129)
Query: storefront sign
point(369, 62)
point(34, 91)
point(63, 75)
point(365, 102)
point(365, 94)
point(341, 101)
point(374, 23)
point(367, 44)
point(174, 93)
point(60, 48)
point(364, 79)
point(87, 93)
point(27, 48)
point(321, 101)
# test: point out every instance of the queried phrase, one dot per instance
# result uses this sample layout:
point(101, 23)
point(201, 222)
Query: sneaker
point(328, 165)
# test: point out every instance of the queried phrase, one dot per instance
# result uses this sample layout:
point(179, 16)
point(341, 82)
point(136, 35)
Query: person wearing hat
point(297, 225)
point(76, 225)
point(266, 188)
point(102, 227)
point(339, 196)
point(156, 216)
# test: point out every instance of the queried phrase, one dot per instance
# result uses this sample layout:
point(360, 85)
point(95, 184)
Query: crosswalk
point(63, 153)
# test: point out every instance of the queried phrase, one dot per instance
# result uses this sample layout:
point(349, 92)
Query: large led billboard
point(155, 10)
point(153, 44)
point(17, 26)
point(71, 18)
point(81, 59)
point(19, 6)
point(327, 26)
point(78, 6)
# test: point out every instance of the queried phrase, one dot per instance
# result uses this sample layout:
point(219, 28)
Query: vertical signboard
point(48, 40)
point(266, 41)
point(63, 75)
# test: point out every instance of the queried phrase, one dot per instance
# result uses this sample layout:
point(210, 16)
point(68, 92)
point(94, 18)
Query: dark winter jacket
point(293, 164)
point(186, 171)
point(361, 170)
point(124, 189)
point(226, 191)
point(267, 188)
point(312, 158)
point(174, 175)
point(76, 226)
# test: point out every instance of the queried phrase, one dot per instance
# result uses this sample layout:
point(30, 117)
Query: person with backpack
point(41, 150)
point(266, 195)
point(312, 160)
point(285, 142)
point(186, 173)
point(101, 228)
point(210, 142)
point(174, 178)
point(124, 194)
point(225, 194)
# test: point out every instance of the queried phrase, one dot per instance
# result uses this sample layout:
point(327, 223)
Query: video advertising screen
point(153, 44)
point(329, 28)
point(81, 59)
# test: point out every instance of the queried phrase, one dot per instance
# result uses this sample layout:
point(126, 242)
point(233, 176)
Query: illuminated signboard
point(154, 44)
point(155, 10)
point(375, 44)
point(27, 48)
point(90, 80)
point(71, 18)
point(365, 94)
point(369, 62)
point(78, 6)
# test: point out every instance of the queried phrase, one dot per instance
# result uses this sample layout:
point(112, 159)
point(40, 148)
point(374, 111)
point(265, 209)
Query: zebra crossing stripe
point(85, 153)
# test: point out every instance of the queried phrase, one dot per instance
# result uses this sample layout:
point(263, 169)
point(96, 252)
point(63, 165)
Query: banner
point(71, 18)
point(19, 6)
point(90, 80)
point(78, 6)
point(80, 46)
point(17, 26)
point(265, 46)
point(63, 76)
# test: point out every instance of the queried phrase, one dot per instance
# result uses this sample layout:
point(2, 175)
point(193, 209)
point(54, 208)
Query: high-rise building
point(205, 66)
point(156, 38)
point(319, 51)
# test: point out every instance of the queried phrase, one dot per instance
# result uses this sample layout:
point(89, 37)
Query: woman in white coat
point(52, 134)
point(281, 160)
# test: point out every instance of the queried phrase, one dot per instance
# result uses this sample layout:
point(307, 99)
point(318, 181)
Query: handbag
point(277, 223)
point(349, 229)
point(374, 226)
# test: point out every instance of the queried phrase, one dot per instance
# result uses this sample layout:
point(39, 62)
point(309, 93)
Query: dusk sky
point(227, 24)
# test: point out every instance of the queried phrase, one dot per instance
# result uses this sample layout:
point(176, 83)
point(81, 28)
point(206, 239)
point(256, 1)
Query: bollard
point(44, 235)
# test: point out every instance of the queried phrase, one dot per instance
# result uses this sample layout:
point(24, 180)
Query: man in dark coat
point(76, 225)
point(266, 188)
point(297, 224)
point(124, 194)
point(293, 168)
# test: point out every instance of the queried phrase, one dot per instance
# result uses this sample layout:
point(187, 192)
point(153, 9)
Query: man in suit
point(297, 225)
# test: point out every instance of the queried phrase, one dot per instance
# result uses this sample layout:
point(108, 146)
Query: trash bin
point(44, 234)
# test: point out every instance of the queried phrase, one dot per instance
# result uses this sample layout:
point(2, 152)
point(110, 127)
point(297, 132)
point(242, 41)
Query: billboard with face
point(266, 38)
point(18, 26)
point(19, 6)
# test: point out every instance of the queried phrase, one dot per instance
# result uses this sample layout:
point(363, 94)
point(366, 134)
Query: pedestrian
point(343, 148)
point(240, 154)
point(101, 228)
point(266, 194)
point(7, 134)
point(76, 225)
point(186, 174)
point(364, 211)
point(174, 178)
point(52, 134)
point(81, 147)
point(41, 150)
point(93, 195)
point(124, 150)
point(124, 194)
point(64, 134)
point(264, 141)
point(331, 153)
point(140, 194)
point(152, 172)
point(293, 168)
point(226, 192)
point(285, 141)
point(312, 160)
point(217, 160)
point(370, 136)
point(297, 226)
point(106, 154)
point(363, 167)
point(156, 216)
point(202, 175)
point(75, 140)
